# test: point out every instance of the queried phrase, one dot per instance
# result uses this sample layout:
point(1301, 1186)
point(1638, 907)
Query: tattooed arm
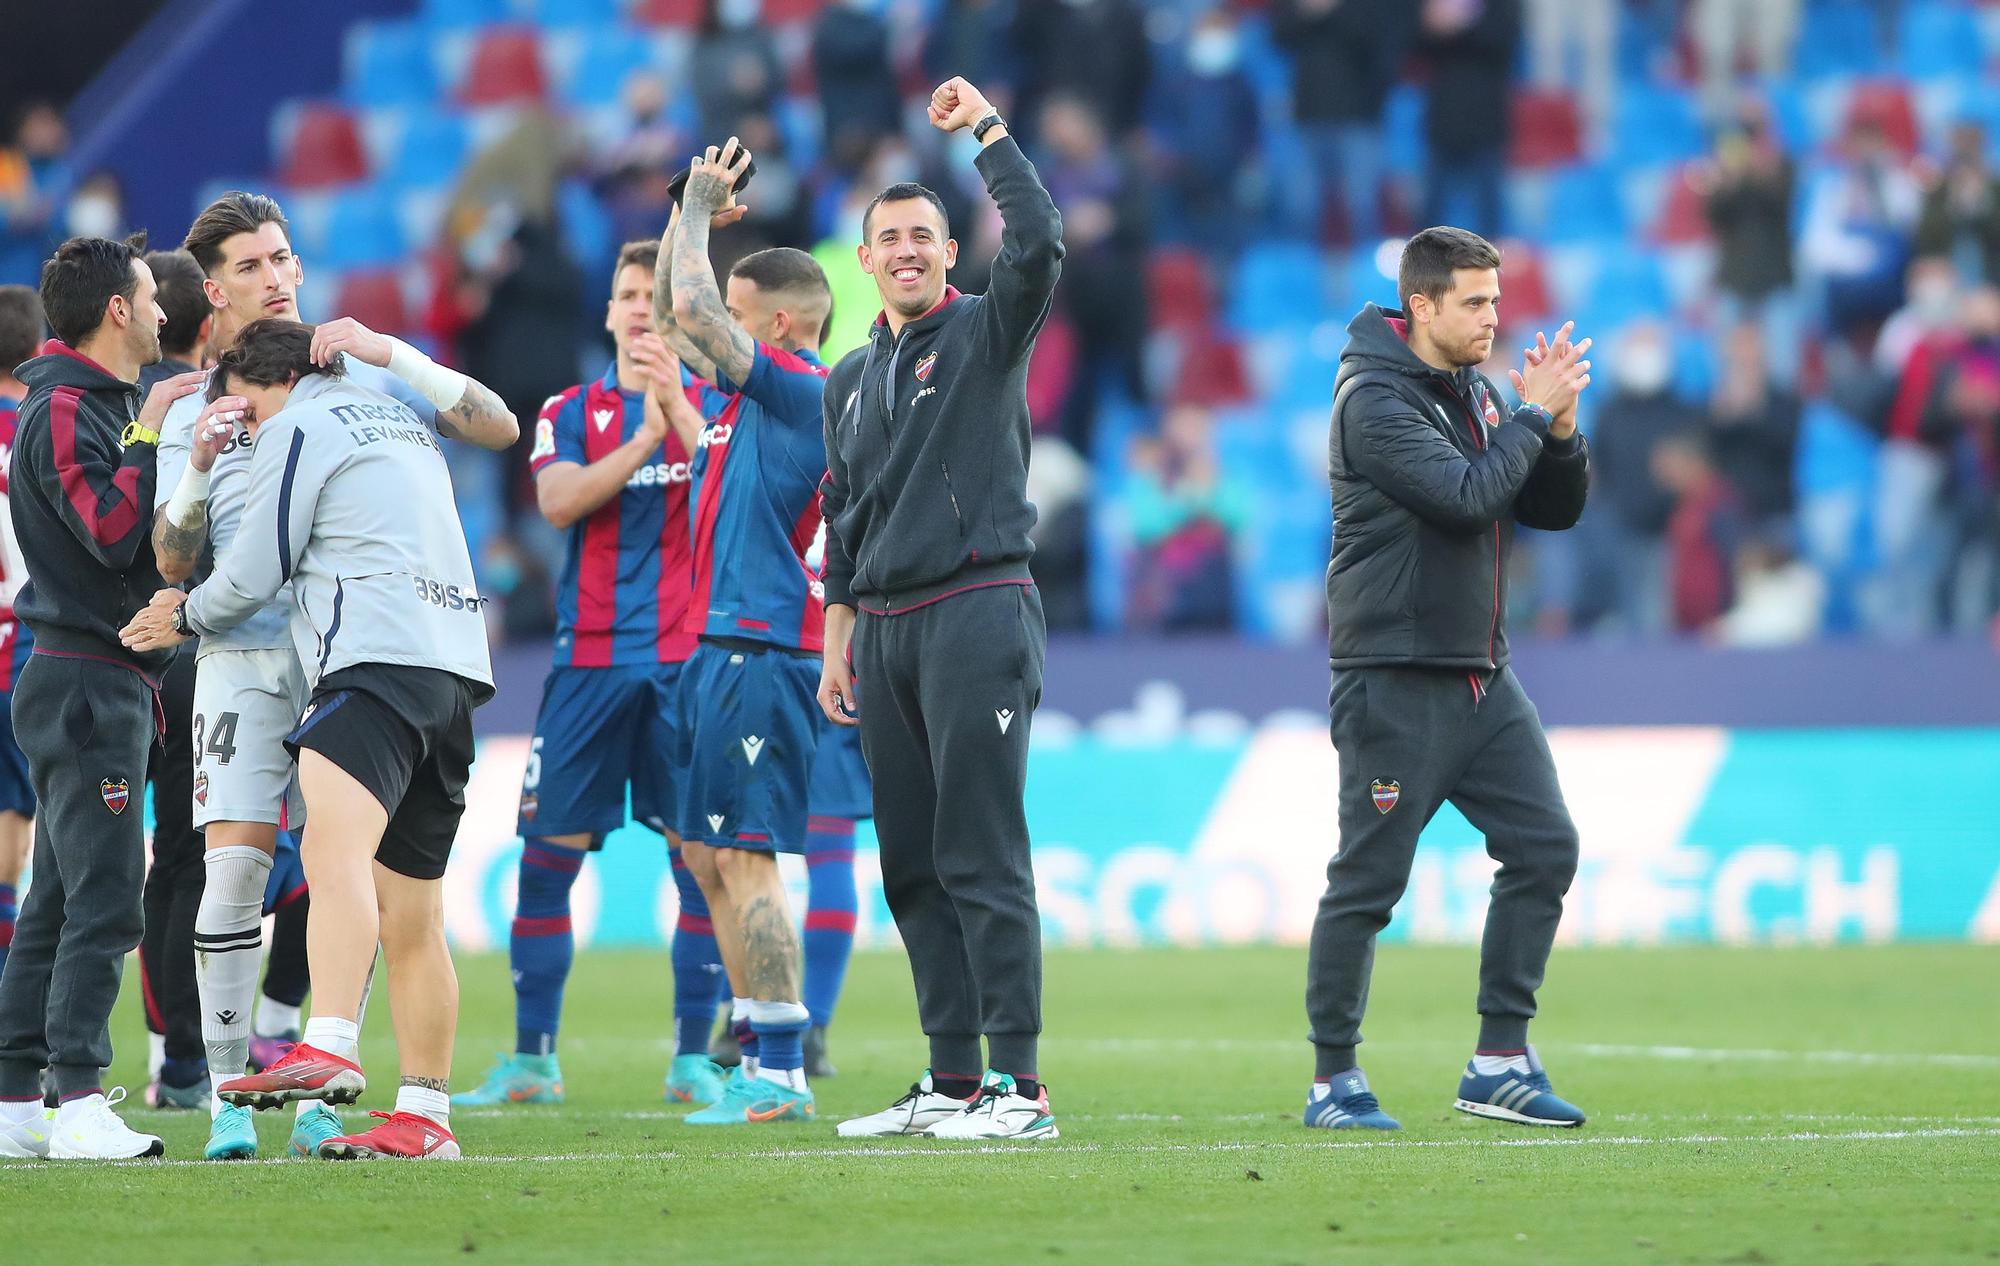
point(697, 304)
point(664, 323)
point(466, 408)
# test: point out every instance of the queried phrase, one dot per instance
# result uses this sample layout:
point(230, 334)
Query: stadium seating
point(607, 57)
point(361, 229)
point(1179, 291)
point(374, 298)
point(433, 146)
point(324, 150)
point(506, 66)
point(389, 64)
point(1939, 39)
point(1656, 125)
point(1548, 131)
point(1837, 37)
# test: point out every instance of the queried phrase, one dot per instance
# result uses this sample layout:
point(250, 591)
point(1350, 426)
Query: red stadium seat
point(1682, 220)
point(1179, 290)
point(1211, 371)
point(374, 298)
point(779, 12)
point(324, 150)
point(1885, 103)
point(506, 66)
point(1547, 129)
point(681, 13)
point(1525, 294)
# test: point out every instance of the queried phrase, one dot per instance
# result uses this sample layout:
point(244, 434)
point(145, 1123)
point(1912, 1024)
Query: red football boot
point(306, 1072)
point(401, 1134)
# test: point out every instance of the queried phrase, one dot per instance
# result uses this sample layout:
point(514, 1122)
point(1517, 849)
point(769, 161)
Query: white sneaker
point(88, 1129)
point(998, 1111)
point(915, 1113)
point(29, 1139)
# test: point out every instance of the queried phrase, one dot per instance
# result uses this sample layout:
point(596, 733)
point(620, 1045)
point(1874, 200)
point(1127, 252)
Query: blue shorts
point(17, 794)
point(288, 875)
point(840, 786)
point(600, 730)
point(752, 723)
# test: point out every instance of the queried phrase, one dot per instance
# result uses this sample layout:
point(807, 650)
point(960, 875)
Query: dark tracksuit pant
point(1409, 739)
point(174, 883)
point(946, 692)
point(87, 728)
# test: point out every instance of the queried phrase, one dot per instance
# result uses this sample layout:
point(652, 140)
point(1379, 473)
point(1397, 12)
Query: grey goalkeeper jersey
point(349, 500)
point(229, 484)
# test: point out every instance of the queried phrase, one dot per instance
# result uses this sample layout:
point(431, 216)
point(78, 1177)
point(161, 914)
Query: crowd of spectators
point(1795, 435)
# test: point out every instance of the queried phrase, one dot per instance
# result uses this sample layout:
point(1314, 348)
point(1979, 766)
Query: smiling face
point(908, 254)
point(1462, 322)
point(258, 277)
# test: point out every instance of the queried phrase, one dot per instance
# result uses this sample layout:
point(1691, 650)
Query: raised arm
point(697, 301)
point(466, 408)
point(664, 323)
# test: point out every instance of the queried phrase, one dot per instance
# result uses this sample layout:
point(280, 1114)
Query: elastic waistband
point(981, 576)
point(59, 644)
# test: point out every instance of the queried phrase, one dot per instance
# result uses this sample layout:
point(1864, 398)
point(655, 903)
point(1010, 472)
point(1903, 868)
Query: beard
point(147, 345)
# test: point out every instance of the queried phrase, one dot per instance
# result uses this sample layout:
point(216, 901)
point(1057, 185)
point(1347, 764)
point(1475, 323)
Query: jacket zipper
point(950, 492)
point(1493, 625)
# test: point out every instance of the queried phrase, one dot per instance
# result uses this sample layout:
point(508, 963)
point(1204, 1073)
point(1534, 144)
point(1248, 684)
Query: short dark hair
point(80, 278)
point(267, 353)
point(903, 192)
point(645, 253)
point(181, 298)
point(784, 268)
point(234, 212)
point(20, 326)
point(1430, 258)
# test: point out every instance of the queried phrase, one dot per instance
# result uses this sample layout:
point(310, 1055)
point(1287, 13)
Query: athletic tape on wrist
point(192, 491)
point(441, 386)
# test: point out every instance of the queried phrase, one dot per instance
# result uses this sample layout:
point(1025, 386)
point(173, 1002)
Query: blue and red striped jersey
point(757, 471)
point(623, 594)
point(15, 640)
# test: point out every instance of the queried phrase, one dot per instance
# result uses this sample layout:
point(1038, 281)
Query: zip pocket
point(948, 491)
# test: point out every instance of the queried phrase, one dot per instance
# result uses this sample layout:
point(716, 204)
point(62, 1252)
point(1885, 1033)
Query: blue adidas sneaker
point(1344, 1102)
point(1519, 1092)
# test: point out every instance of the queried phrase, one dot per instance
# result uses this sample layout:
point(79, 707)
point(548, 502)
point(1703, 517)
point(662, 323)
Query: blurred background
point(1779, 218)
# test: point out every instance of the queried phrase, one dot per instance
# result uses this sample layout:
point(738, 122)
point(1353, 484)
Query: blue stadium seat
point(1583, 205)
point(1277, 284)
point(1627, 284)
point(1358, 280)
point(362, 230)
point(1940, 38)
point(1403, 128)
point(465, 14)
point(1838, 37)
point(587, 228)
point(608, 57)
point(389, 64)
point(432, 148)
point(574, 12)
point(1656, 124)
point(1696, 364)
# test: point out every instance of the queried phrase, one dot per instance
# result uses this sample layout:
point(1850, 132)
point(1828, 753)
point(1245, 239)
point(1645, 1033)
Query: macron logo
point(753, 747)
point(602, 417)
point(715, 822)
point(1005, 716)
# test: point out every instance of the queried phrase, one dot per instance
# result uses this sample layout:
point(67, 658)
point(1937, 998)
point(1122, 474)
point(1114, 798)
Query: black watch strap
point(179, 619)
point(987, 124)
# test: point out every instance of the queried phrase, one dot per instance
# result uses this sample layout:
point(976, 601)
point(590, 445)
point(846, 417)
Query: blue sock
point(542, 945)
point(8, 913)
point(697, 965)
point(780, 1028)
point(830, 913)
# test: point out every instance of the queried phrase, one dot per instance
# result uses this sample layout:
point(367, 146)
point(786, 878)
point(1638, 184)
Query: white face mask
point(1643, 366)
point(1214, 52)
point(1933, 299)
point(92, 215)
point(737, 14)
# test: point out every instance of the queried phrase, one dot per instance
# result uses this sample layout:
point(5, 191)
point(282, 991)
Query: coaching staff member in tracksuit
point(86, 709)
point(927, 518)
point(1430, 473)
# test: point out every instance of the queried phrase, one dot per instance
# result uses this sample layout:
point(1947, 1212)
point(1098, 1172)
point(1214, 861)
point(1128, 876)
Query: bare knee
point(262, 836)
point(744, 870)
point(701, 863)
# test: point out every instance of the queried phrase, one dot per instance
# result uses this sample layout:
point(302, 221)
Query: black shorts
point(405, 734)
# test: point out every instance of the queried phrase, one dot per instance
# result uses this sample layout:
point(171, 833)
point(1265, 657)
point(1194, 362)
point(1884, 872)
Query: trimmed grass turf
point(1177, 1077)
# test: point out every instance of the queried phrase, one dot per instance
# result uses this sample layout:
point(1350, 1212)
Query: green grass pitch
point(1747, 1106)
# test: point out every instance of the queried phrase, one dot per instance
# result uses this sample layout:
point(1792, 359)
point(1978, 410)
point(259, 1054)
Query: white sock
point(70, 1109)
point(156, 1054)
point(434, 1105)
point(228, 944)
point(274, 1018)
point(790, 1078)
point(1487, 1065)
point(739, 1009)
point(20, 1113)
point(333, 1035)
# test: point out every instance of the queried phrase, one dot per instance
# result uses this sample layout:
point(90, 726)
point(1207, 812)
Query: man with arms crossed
point(926, 434)
point(1429, 478)
point(249, 685)
point(350, 500)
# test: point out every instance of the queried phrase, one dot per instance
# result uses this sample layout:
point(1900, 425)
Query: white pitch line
point(1935, 1058)
point(836, 1152)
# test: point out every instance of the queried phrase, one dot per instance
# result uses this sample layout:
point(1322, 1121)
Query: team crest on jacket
point(925, 365)
point(116, 794)
point(1385, 792)
point(1489, 409)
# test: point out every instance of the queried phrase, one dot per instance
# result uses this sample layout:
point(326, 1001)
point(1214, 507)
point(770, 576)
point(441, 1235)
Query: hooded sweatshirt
point(82, 504)
point(1428, 483)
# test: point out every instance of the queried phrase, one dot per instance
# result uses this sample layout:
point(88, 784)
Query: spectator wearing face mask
point(735, 67)
point(1205, 107)
point(1961, 215)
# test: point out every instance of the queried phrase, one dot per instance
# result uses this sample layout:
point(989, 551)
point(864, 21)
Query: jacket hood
point(936, 316)
point(61, 365)
point(1375, 341)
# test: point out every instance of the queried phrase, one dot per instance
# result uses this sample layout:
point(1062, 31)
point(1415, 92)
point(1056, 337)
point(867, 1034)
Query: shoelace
point(103, 1114)
point(986, 1099)
point(1361, 1104)
point(1540, 1081)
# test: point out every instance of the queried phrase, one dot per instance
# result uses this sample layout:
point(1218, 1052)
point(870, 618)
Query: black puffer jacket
point(1428, 481)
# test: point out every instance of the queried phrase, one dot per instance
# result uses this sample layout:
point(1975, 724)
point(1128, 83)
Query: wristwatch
point(179, 621)
point(987, 124)
point(136, 434)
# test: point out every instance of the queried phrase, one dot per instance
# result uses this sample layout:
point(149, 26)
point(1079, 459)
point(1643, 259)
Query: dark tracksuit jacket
point(927, 515)
point(1430, 475)
point(85, 714)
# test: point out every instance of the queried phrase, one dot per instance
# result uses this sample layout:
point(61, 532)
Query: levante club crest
point(116, 794)
point(924, 367)
point(1386, 792)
